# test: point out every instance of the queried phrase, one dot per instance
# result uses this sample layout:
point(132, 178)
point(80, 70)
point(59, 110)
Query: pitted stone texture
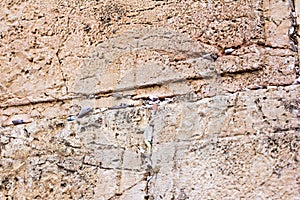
point(207, 143)
point(63, 58)
point(165, 57)
point(43, 43)
point(119, 185)
point(224, 167)
point(267, 113)
point(219, 23)
point(247, 140)
point(140, 57)
point(61, 48)
point(277, 23)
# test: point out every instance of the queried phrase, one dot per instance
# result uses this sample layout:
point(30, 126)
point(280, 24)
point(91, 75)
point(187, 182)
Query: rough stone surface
point(225, 126)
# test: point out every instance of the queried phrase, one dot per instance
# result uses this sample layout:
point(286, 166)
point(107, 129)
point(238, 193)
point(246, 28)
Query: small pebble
point(256, 87)
point(211, 57)
point(122, 105)
point(84, 111)
point(17, 121)
point(293, 46)
point(71, 118)
point(229, 51)
point(297, 81)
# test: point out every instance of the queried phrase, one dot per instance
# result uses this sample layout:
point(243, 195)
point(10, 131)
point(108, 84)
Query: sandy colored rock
point(225, 124)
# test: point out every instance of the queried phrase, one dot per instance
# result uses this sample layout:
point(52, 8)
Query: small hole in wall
point(63, 184)
point(99, 121)
point(60, 125)
point(72, 134)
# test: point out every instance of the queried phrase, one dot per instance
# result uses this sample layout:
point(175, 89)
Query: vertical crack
point(61, 71)
point(64, 39)
point(293, 34)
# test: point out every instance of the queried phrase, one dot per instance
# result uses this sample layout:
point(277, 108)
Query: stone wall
point(225, 124)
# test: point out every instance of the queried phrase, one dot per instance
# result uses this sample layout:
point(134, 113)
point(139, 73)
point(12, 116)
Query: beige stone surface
point(225, 146)
point(226, 126)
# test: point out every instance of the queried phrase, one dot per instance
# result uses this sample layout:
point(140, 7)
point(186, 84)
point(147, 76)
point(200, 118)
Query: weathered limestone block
point(227, 180)
point(112, 184)
point(234, 141)
point(277, 21)
point(225, 125)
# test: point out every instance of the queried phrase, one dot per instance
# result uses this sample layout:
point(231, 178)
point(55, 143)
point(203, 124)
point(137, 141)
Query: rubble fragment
point(211, 57)
point(297, 81)
point(17, 121)
point(228, 51)
point(71, 118)
point(84, 111)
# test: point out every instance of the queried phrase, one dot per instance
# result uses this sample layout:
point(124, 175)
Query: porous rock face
point(226, 125)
